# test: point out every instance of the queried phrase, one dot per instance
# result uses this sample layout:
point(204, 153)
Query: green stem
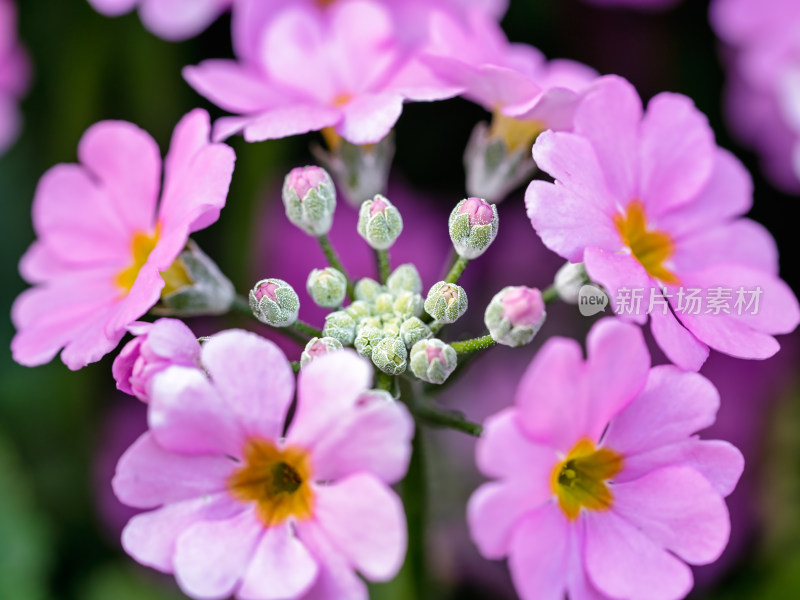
point(415, 497)
point(449, 419)
point(473, 345)
point(333, 260)
point(382, 257)
point(295, 366)
point(550, 294)
point(384, 381)
point(436, 326)
point(305, 329)
point(457, 269)
point(241, 305)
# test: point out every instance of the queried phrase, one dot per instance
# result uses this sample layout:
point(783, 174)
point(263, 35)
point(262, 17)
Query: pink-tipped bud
point(515, 315)
point(480, 212)
point(523, 306)
point(266, 289)
point(378, 205)
point(303, 179)
point(309, 198)
point(317, 347)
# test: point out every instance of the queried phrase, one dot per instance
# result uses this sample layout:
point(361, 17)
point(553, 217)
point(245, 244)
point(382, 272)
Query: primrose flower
point(601, 488)
point(652, 207)
point(107, 248)
point(239, 507)
point(156, 346)
point(299, 70)
point(14, 75)
point(172, 20)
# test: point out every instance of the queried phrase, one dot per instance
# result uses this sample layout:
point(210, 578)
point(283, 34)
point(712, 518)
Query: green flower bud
point(358, 310)
point(367, 339)
point(408, 304)
point(433, 360)
point(341, 326)
point(379, 222)
point(515, 315)
point(404, 278)
point(309, 198)
point(390, 355)
point(473, 226)
point(570, 278)
point(391, 326)
point(384, 303)
point(413, 330)
point(446, 302)
point(376, 322)
point(367, 289)
point(274, 302)
point(327, 287)
point(318, 347)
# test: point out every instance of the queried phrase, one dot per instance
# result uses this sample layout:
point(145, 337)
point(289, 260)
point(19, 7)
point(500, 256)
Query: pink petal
point(677, 153)
point(730, 336)
point(672, 407)
point(142, 296)
point(623, 277)
point(299, 117)
point(618, 366)
point(495, 510)
point(728, 193)
point(231, 85)
point(148, 476)
point(336, 578)
point(188, 416)
point(180, 19)
point(172, 339)
point(623, 562)
point(538, 556)
point(503, 451)
point(113, 8)
point(253, 378)
point(551, 393)
point(41, 263)
point(327, 390)
point(197, 175)
point(225, 127)
point(281, 567)
point(677, 342)
point(150, 537)
point(375, 439)
point(565, 223)
point(555, 108)
point(609, 117)
point(368, 118)
point(719, 462)
point(127, 164)
point(677, 509)
point(211, 557)
point(366, 522)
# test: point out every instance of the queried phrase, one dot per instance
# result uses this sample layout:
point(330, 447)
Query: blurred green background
point(57, 529)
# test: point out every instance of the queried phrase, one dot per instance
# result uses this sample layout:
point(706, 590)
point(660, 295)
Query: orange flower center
point(276, 479)
point(516, 133)
point(142, 244)
point(651, 248)
point(580, 479)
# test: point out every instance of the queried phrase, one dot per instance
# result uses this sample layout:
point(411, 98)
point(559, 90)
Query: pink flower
point(601, 488)
point(648, 201)
point(14, 75)
point(242, 508)
point(342, 70)
point(156, 346)
point(106, 243)
point(172, 20)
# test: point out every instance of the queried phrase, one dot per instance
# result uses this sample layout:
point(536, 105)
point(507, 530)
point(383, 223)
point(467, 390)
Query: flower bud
point(390, 355)
point(473, 226)
point(376, 322)
point(358, 310)
point(379, 222)
point(446, 302)
point(569, 280)
point(374, 397)
point(368, 337)
point(515, 315)
point(341, 326)
point(310, 199)
point(433, 360)
point(317, 347)
point(367, 289)
point(408, 304)
point(404, 278)
point(413, 330)
point(391, 326)
point(327, 287)
point(274, 302)
point(384, 303)
point(194, 285)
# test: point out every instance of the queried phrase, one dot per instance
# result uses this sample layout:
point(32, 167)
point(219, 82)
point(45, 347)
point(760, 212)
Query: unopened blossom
point(240, 504)
point(342, 70)
point(473, 226)
point(14, 75)
point(106, 242)
point(601, 489)
point(515, 315)
point(649, 202)
point(172, 20)
point(156, 346)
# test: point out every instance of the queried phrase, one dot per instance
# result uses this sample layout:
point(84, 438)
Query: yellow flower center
point(516, 133)
point(142, 244)
point(276, 479)
point(650, 248)
point(579, 480)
